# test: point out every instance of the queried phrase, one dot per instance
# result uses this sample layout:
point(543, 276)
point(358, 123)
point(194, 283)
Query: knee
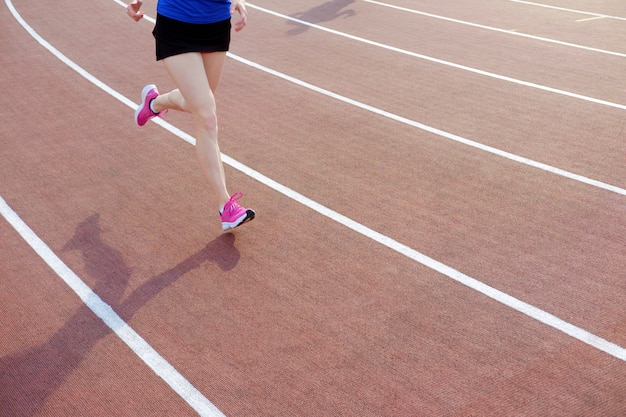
point(206, 120)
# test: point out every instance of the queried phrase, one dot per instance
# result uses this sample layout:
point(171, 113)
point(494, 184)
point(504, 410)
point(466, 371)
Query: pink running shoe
point(144, 112)
point(234, 215)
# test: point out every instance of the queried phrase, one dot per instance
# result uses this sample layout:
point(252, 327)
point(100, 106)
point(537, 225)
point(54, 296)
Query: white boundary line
point(496, 295)
point(548, 6)
point(509, 32)
point(130, 337)
point(587, 19)
point(443, 62)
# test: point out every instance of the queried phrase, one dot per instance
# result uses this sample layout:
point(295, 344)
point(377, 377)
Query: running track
point(441, 199)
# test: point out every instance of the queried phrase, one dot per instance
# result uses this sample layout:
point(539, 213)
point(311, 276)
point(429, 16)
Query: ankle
point(151, 105)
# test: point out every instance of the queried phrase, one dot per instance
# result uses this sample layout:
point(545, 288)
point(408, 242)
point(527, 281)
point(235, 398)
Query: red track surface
point(296, 314)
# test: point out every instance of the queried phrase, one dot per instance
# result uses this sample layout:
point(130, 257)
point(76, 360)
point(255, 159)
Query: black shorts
point(174, 37)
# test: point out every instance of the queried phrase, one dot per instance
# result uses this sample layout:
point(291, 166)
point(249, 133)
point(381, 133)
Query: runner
point(192, 38)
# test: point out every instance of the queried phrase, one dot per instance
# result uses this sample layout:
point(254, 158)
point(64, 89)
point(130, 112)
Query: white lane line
point(548, 6)
point(509, 32)
point(130, 337)
point(591, 18)
point(443, 62)
point(496, 295)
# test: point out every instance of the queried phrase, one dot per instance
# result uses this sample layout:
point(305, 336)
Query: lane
point(581, 138)
point(255, 291)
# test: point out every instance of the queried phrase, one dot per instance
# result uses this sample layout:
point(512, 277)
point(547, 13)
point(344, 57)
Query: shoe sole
point(244, 219)
point(144, 93)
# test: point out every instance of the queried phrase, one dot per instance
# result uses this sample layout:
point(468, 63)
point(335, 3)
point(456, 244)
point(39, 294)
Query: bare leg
point(173, 100)
point(196, 76)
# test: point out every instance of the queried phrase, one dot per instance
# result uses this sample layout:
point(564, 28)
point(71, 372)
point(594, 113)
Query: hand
point(133, 10)
point(240, 7)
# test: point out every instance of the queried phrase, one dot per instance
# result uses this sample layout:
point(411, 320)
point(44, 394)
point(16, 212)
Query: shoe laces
point(232, 203)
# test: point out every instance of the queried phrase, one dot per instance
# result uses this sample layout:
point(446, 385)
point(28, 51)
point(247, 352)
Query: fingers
point(240, 7)
point(136, 16)
point(240, 24)
point(133, 10)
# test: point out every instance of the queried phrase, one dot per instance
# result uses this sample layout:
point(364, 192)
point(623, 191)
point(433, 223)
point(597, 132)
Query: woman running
point(192, 38)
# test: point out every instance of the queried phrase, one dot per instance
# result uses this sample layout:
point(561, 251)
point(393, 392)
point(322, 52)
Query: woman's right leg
point(194, 95)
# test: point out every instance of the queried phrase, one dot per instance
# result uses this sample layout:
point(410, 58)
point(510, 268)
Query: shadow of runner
point(325, 12)
point(29, 378)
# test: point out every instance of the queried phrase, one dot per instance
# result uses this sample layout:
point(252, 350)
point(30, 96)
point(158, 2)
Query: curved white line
point(548, 6)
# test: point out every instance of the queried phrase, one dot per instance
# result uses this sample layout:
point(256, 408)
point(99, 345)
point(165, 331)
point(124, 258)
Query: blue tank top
point(195, 11)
